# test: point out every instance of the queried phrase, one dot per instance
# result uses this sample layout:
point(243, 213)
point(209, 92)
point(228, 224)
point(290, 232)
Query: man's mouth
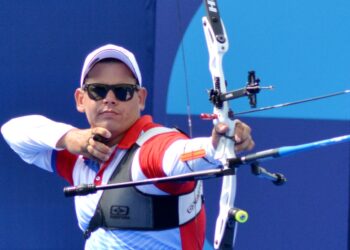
point(109, 112)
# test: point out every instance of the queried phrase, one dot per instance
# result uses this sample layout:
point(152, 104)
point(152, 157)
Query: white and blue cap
point(111, 51)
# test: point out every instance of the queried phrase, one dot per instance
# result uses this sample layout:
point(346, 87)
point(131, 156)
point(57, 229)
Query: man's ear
point(79, 100)
point(142, 93)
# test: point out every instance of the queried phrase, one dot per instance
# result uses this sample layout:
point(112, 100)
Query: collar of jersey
point(142, 124)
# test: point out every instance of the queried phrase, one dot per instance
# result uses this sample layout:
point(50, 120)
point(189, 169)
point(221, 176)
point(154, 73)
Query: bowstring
point(188, 104)
point(182, 48)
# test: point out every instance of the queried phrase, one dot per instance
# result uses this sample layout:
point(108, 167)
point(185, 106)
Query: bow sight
point(251, 90)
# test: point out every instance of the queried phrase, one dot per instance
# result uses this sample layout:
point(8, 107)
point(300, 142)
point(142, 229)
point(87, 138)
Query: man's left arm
point(185, 155)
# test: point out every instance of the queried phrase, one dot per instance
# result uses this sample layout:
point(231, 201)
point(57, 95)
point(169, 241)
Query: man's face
point(115, 115)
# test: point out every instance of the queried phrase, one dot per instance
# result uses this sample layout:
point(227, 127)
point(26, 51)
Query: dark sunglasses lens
point(99, 91)
point(124, 93)
point(96, 92)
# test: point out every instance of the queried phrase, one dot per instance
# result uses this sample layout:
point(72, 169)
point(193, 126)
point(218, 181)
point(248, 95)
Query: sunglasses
point(122, 92)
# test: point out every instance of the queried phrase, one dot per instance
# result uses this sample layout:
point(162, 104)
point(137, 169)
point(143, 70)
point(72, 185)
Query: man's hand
point(243, 139)
point(81, 141)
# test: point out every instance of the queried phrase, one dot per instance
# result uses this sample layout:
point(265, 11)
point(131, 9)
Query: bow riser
point(217, 43)
point(222, 110)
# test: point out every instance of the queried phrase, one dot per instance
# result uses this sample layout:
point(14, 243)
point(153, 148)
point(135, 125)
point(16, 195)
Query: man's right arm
point(33, 138)
point(82, 142)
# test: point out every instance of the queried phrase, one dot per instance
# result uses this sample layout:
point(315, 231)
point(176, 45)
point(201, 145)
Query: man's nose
point(110, 97)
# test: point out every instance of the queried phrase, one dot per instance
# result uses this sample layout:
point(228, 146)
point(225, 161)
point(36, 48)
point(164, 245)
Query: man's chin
point(107, 124)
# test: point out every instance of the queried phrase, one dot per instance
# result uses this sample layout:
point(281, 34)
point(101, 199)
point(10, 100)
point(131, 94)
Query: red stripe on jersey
point(65, 162)
point(193, 233)
point(151, 159)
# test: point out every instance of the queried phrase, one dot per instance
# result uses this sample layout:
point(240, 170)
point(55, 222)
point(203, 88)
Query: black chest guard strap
point(128, 208)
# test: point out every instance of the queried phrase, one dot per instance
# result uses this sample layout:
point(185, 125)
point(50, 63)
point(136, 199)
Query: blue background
point(300, 47)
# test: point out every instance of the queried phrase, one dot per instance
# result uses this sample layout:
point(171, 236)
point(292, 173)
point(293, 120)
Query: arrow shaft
point(294, 103)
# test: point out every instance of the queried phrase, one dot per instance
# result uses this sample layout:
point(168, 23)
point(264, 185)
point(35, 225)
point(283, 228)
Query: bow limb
point(217, 43)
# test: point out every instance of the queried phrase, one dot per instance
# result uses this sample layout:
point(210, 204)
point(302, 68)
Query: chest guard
point(129, 208)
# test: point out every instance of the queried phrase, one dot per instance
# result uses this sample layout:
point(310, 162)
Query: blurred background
point(299, 47)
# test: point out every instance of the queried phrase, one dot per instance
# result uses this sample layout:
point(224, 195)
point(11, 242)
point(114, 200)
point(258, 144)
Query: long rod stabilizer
point(287, 150)
point(85, 189)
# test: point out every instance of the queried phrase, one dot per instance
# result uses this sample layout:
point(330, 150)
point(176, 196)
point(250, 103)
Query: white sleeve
point(174, 164)
point(33, 138)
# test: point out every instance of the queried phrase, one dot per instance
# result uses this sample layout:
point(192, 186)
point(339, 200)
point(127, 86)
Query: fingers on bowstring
point(98, 150)
point(102, 132)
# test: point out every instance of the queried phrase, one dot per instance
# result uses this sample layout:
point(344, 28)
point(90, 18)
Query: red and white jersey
point(35, 137)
